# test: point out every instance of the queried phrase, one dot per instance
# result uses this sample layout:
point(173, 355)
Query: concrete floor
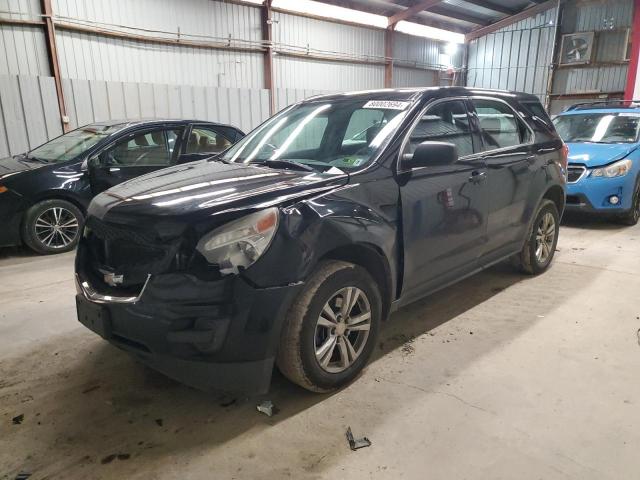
point(500, 376)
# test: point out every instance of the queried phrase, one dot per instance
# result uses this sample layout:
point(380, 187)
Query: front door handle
point(478, 176)
point(114, 169)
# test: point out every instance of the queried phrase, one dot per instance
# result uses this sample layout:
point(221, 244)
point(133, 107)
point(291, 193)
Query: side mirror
point(430, 154)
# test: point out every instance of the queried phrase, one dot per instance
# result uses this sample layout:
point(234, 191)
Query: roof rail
point(605, 104)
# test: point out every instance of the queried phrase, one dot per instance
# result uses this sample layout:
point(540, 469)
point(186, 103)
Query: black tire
point(300, 335)
point(633, 215)
point(528, 261)
point(65, 215)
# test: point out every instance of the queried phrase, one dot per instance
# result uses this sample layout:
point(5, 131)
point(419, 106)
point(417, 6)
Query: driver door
point(133, 155)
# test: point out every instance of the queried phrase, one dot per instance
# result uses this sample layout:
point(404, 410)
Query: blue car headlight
point(618, 169)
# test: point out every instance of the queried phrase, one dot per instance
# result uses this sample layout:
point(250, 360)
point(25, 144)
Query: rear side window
point(499, 125)
point(206, 140)
point(151, 148)
point(444, 122)
point(538, 110)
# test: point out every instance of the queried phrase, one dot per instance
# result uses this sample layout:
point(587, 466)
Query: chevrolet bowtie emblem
point(113, 279)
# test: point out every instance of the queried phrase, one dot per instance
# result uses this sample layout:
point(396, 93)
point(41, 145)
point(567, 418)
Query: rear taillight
point(564, 154)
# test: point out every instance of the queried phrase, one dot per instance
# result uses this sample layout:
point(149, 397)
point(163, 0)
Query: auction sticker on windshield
point(386, 104)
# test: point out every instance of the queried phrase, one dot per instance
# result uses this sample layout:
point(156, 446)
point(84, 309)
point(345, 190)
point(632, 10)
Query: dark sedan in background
point(44, 193)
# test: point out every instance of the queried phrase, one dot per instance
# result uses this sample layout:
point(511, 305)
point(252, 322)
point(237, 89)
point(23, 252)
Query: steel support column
point(54, 64)
point(267, 37)
point(389, 33)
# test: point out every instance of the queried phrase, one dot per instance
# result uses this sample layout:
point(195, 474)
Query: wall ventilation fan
point(576, 48)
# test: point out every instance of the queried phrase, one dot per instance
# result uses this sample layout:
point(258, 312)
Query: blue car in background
point(604, 159)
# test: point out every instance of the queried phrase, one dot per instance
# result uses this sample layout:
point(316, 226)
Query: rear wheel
point(633, 216)
point(331, 328)
point(539, 249)
point(52, 226)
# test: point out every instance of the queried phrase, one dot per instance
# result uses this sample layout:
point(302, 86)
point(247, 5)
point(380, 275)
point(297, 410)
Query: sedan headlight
point(240, 243)
point(618, 169)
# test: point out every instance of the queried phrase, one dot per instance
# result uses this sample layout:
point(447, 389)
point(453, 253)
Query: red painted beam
point(632, 73)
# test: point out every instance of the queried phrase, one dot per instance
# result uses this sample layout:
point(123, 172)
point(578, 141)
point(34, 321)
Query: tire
point(531, 260)
point(39, 230)
point(305, 355)
point(633, 215)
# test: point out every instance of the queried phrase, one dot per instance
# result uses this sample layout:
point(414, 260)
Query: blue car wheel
point(633, 215)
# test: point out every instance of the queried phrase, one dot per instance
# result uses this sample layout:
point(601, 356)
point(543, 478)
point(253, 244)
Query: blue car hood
point(598, 154)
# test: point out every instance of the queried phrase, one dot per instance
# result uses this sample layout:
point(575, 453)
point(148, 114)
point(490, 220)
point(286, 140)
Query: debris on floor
point(22, 476)
point(267, 408)
point(356, 443)
point(113, 456)
point(159, 422)
point(17, 420)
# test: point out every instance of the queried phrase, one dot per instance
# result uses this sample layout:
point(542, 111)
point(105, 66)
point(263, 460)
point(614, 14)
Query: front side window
point(444, 122)
point(151, 148)
point(599, 127)
point(346, 134)
point(70, 145)
point(499, 125)
point(206, 140)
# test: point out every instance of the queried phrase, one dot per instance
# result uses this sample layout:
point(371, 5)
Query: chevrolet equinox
point(293, 246)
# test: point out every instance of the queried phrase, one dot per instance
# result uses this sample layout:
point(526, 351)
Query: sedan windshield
point(599, 127)
point(340, 135)
point(72, 144)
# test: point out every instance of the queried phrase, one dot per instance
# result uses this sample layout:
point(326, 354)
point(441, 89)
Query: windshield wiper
point(34, 159)
point(283, 164)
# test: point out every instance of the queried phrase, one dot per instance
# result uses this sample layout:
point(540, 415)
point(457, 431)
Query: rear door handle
point(114, 169)
point(477, 176)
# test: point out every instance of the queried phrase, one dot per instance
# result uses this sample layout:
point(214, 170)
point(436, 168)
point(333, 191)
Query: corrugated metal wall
point(517, 57)
point(607, 73)
point(105, 77)
point(22, 47)
point(28, 112)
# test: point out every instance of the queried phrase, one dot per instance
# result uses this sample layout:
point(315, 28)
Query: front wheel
point(332, 327)
point(52, 226)
point(633, 215)
point(540, 247)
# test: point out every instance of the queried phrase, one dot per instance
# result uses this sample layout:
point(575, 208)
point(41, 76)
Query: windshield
point(599, 127)
point(345, 134)
point(72, 144)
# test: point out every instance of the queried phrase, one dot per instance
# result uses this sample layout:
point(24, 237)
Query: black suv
point(293, 246)
point(44, 193)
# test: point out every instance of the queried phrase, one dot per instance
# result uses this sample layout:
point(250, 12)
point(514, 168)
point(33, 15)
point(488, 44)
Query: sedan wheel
point(57, 227)
point(52, 226)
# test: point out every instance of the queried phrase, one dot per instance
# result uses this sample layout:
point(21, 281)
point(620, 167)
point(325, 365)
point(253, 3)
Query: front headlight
point(618, 169)
point(241, 242)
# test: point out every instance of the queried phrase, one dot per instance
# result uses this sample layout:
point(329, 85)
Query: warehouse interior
point(500, 375)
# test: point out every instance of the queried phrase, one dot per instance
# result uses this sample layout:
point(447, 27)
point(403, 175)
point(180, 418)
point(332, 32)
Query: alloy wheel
point(545, 236)
point(342, 329)
point(56, 227)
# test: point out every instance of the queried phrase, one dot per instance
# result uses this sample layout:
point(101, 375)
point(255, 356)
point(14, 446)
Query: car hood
point(206, 188)
point(12, 165)
point(598, 154)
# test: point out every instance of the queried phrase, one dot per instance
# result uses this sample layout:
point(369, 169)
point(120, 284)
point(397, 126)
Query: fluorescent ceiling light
point(331, 12)
point(419, 30)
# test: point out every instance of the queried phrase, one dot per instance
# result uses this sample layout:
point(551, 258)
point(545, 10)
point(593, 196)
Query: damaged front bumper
point(214, 335)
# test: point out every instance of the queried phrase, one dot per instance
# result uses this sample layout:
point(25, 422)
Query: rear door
point(507, 144)
point(444, 207)
point(205, 141)
point(134, 154)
